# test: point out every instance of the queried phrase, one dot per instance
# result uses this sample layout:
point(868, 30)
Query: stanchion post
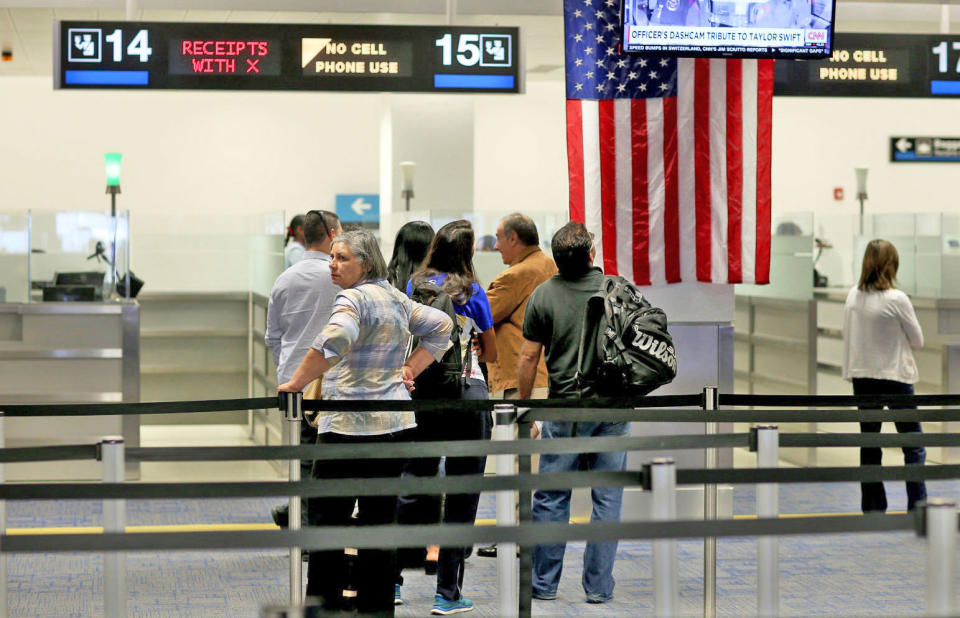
point(292, 406)
point(114, 520)
point(508, 574)
point(768, 561)
point(711, 428)
point(662, 474)
point(3, 527)
point(941, 520)
point(524, 508)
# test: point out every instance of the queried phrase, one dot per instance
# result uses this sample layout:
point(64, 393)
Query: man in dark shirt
point(552, 324)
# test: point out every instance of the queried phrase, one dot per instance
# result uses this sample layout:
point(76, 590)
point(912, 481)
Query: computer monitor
point(93, 277)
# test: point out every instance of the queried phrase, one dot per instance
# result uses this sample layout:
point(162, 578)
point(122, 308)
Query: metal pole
point(710, 399)
point(663, 485)
point(114, 520)
point(3, 528)
point(293, 414)
point(508, 572)
point(768, 562)
point(941, 558)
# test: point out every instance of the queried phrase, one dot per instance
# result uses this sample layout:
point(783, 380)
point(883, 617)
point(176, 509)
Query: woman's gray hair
point(363, 245)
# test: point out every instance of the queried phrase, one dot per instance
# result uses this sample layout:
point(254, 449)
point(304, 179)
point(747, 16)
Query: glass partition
point(14, 257)
point(791, 259)
point(209, 253)
point(72, 248)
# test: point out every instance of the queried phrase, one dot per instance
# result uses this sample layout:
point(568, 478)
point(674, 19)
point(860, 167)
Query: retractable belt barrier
point(472, 448)
point(466, 484)
point(660, 477)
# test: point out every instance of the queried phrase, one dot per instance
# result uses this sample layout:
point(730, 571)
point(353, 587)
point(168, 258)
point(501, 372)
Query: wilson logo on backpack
point(625, 348)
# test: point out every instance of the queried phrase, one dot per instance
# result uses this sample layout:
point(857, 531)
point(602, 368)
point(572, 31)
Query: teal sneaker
point(443, 607)
point(397, 599)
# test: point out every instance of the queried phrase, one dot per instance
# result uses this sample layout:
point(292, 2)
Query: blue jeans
point(554, 506)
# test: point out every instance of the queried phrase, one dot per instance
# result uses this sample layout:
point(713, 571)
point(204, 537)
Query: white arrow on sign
point(360, 207)
point(903, 144)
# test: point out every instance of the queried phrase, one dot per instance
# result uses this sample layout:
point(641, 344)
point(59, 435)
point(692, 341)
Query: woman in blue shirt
point(449, 264)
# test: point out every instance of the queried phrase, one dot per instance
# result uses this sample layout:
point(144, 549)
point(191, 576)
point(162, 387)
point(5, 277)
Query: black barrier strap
point(741, 416)
point(344, 405)
point(857, 474)
point(49, 453)
point(839, 400)
point(464, 484)
point(320, 488)
point(869, 439)
point(159, 407)
point(378, 537)
point(452, 448)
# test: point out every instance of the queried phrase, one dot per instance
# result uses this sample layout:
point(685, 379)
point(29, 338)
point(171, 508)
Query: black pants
point(374, 572)
point(873, 497)
point(457, 508)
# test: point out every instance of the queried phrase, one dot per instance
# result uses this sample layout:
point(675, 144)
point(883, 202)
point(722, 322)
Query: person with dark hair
point(879, 329)
point(449, 265)
point(527, 267)
point(409, 249)
point(295, 243)
point(366, 340)
point(552, 325)
point(299, 306)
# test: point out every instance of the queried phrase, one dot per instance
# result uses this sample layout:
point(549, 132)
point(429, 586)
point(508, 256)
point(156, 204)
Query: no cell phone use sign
point(925, 149)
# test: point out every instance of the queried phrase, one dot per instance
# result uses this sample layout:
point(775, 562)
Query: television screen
point(727, 29)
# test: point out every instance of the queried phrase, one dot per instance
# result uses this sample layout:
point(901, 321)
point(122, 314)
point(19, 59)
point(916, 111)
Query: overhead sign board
point(877, 65)
point(924, 149)
point(154, 55)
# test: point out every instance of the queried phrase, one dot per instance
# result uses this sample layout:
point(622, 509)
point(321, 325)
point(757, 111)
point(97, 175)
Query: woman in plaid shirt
point(365, 341)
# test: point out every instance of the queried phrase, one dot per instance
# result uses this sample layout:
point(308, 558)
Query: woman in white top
point(295, 244)
point(879, 329)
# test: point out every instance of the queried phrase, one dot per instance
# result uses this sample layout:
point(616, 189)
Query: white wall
point(818, 141)
point(207, 152)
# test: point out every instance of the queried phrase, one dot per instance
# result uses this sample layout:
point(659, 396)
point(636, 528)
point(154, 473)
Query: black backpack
point(625, 349)
point(443, 379)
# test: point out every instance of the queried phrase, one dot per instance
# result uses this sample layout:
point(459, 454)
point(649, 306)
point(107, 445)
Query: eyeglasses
point(323, 219)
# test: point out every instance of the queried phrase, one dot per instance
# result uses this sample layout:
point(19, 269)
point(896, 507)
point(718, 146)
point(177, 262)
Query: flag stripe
point(687, 197)
point(608, 186)
point(575, 158)
point(701, 121)
point(764, 137)
point(624, 202)
point(718, 175)
point(748, 227)
point(671, 219)
point(640, 198)
point(591, 173)
point(734, 144)
point(656, 190)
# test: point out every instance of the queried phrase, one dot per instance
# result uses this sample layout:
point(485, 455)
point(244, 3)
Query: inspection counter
point(69, 352)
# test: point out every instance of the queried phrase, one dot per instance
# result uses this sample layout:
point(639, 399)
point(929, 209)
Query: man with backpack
point(553, 325)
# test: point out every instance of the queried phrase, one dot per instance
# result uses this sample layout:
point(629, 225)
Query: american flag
point(669, 158)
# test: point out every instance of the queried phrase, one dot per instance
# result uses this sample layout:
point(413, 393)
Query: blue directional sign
point(358, 208)
point(925, 149)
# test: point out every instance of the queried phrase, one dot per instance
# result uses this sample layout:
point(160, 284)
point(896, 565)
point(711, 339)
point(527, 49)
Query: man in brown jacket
point(527, 267)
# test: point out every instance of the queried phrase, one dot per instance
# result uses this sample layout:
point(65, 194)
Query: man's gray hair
point(523, 226)
point(363, 245)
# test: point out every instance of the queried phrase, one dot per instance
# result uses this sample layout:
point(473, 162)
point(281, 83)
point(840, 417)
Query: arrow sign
point(359, 208)
point(903, 144)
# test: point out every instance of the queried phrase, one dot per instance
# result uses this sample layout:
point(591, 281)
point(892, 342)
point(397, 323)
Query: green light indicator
point(112, 162)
